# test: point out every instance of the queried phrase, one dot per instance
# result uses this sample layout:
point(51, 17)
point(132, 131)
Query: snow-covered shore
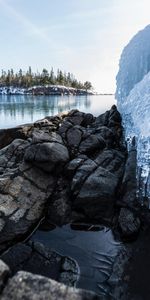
point(44, 90)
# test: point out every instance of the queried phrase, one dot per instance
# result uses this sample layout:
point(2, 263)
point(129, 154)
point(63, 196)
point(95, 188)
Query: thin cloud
point(31, 28)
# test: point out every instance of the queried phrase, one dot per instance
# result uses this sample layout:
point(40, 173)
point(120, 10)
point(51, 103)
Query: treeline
point(28, 79)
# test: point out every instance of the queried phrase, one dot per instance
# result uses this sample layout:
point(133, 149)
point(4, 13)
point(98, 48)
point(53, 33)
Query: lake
point(19, 109)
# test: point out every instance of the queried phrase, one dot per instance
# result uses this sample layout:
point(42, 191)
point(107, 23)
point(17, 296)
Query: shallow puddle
point(93, 247)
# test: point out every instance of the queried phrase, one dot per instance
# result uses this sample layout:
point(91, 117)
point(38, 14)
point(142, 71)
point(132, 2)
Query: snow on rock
point(133, 96)
point(44, 90)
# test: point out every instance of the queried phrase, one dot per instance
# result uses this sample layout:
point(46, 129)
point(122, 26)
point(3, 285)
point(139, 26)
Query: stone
point(36, 258)
point(97, 194)
point(129, 223)
point(82, 173)
point(8, 135)
point(47, 156)
point(73, 165)
point(67, 167)
point(112, 160)
point(23, 193)
point(129, 183)
point(88, 120)
point(4, 274)
point(74, 137)
point(27, 286)
point(91, 144)
point(107, 134)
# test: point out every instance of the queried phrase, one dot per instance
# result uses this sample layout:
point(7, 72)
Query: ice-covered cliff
point(134, 63)
point(133, 98)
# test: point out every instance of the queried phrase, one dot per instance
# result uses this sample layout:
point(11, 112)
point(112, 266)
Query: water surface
point(19, 109)
point(94, 250)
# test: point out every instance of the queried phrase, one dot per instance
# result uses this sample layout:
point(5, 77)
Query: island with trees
point(42, 83)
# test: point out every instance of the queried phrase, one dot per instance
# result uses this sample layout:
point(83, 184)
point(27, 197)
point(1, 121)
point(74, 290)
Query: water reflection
point(95, 252)
point(19, 109)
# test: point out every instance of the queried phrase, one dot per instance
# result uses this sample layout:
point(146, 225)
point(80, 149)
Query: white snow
point(133, 98)
point(21, 91)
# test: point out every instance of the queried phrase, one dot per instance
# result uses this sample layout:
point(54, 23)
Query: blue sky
point(85, 37)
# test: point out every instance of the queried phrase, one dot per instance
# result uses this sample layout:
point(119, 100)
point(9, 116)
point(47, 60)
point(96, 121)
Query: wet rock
point(129, 223)
point(129, 184)
point(27, 286)
point(38, 259)
point(4, 274)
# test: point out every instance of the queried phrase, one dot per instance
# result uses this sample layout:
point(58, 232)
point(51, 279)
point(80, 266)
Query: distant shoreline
point(46, 90)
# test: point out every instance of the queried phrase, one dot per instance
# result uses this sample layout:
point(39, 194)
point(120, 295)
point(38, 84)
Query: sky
point(84, 37)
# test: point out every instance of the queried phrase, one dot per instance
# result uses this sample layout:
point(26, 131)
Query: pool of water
point(93, 247)
point(20, 109)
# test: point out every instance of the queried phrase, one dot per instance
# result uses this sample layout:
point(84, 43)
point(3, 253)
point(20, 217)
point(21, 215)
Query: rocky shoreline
point(71, 168)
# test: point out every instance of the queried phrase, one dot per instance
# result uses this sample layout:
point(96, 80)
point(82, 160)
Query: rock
point(38, 259)
point(82, 173)
point(65, 167)
point(91, 144)
point(8, 135)
point(129, 223)
point(74, 137)
point(4, 274)
point(73, 165)
point(63, 128)
point(115, 115)
point(47, 156)
point(59, 209)
point(113, 161)
point(27, 286)
point(129, 183)
point(75, 117)
point(97, 194)
point(23, 192)
point(88, 120)
point(107, 135)
point(102, 120)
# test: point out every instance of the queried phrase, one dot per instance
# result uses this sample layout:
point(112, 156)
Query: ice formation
point(133, 98)
point(134, 63)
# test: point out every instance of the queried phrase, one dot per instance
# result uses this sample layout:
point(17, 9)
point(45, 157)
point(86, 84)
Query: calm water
point(95, 253)
point(16, 110)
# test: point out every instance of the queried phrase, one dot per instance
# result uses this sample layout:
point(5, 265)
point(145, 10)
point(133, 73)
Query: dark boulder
point(129, 223)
